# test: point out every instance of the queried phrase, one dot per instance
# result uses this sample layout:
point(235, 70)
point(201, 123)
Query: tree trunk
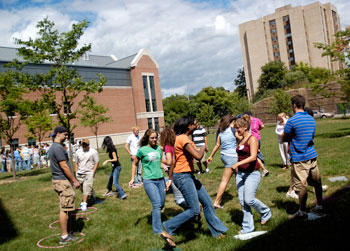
point(96, 142)
point(13, 163)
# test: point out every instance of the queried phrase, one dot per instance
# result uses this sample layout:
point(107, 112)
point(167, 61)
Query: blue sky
point(195, 42)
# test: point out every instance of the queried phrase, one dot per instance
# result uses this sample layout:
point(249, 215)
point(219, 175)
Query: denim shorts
point(228, 161)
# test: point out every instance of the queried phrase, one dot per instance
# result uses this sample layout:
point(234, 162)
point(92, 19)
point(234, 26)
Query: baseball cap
point(58, 129)
point(85, 141)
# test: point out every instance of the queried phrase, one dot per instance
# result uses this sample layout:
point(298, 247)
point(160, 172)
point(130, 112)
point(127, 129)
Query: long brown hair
point(145, 139)
point(226, 121)
point(167, 136)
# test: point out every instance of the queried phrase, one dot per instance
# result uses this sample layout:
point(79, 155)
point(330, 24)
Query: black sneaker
point(298, 216)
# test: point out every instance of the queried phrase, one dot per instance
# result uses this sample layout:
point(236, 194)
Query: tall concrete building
point(288, 35)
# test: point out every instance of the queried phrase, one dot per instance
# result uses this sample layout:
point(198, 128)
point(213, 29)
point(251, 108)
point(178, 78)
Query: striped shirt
point(198, 136)
point(301, 127)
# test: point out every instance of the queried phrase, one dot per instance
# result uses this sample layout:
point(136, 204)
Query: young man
point(63, 181)
point(199, 137)
point(132, 146)
point(86, 163)
point(300, 131)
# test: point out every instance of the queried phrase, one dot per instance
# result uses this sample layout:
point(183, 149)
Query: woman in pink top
point(255, 126)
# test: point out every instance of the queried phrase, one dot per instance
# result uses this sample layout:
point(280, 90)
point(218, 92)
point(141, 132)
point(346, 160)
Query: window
point(288, 34)
point(156, 124)
point(285, 18)
point(14, 143)
point(276, 54)
point(275, 46)
point(273, 31)
point(150, 123)
point(52, 108)
point(274, 39)
point(272, 22)
point(291, 59)
point(290, 50)
point(150, 93)
point(31, 142)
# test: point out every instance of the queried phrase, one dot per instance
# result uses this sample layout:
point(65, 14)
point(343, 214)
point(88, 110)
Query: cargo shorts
point(305, 173)
point(65, 193)
point(86, 181)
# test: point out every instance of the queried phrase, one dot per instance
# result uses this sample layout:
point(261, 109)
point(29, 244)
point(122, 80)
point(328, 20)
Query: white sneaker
point(83, 206)
point(292, 195)
point(207, 170)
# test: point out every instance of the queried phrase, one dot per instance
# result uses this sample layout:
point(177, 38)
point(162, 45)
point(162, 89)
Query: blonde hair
point(282, 115)
point(246, 117)
point(134, 128)
point(241, 122)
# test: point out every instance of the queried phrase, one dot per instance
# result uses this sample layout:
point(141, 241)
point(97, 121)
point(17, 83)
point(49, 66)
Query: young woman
point(8, 160)
point(3, 160)
point(167, 141)
point(248, 177)
point(182, 173)
point(228, 143)
point(116, 168)
point(150, 156)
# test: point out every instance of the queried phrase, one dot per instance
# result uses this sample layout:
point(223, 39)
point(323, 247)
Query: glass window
point(150, 124)
point(291, 59)
point(153, 93)
point(272, 22)
point(290, 50)
point(156, 124)
point(273, 31)
point(288, 35)
point(31, 142)
point(276, 54)
point(286, 18)
point(146, 92)
point(14, 143)
point(53, 108)
point(275, 46)
point(274, 39)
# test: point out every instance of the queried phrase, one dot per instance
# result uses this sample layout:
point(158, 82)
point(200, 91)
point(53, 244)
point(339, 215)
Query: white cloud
point(195, 44)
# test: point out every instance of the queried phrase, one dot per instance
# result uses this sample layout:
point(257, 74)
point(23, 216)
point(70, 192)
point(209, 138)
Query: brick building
point(132, 93)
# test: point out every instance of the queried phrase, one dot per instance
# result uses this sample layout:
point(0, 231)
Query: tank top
point(243, 152)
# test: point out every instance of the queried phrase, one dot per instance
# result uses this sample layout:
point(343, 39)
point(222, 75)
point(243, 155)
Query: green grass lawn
point(29, 205)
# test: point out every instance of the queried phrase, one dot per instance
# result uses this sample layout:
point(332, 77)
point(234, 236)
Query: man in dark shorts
point(63, 181)
point(300, 131)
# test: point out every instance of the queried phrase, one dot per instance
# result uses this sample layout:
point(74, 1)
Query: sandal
point(168, 240)
point(218, 207)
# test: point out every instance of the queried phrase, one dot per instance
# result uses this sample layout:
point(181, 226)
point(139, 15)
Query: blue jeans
point(179, 199)
point(247, 185)
point(114, 179)
point(26, 164)
point(194, 193)
point(18, 163)
point(260, 154)
point(155, 189)
point(138, 174)
point(3, 165)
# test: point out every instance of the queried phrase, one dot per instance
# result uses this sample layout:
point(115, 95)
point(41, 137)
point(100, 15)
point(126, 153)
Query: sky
point(195, 42)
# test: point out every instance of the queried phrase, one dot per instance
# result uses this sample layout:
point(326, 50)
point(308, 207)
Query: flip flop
point(218, 207)
point(168, 241)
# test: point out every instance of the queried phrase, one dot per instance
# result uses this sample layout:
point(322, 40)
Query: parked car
point(321, 114)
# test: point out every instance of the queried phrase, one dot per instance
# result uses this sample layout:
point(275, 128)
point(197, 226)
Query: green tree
point(241, 86)
point(176, 106)
point(93, 116)
point(240, 104)
point(272, 76)
point(39, 123)
point(206, 116)
point(281, 103)
point(14, 109)
point(62, 87)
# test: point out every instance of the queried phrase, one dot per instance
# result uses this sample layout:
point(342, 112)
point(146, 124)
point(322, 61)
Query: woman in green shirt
point(150, 156)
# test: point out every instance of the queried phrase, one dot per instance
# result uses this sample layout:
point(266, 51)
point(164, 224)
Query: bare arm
point(65, 168)
point(168, 159)
point(115, 158)
point(127, 148)
point(206, 144)
point(195, 154)
point(216, 147)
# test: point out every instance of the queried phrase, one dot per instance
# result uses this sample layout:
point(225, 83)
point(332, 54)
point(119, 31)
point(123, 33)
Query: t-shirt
point(86, 160)
point(301, 127)
point(184, 160)
point(169, 149)
point(57, 154)
point(151, 162)
point(133, 142)
point(255, 127)
point(198, 136)
point(26, 153)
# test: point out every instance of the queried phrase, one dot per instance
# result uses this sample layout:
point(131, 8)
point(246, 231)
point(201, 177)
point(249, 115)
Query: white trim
point(147, 74)
point(142, 52)
point(145, 115)
point(117, 87)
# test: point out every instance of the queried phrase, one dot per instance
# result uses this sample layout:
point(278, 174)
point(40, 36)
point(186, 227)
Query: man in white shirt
point(86, 163)
point(132, 146)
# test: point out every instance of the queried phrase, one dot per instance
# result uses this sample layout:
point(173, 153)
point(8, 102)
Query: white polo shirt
point(133, 142)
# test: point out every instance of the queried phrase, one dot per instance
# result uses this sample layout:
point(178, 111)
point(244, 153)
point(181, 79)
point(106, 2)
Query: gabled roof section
point(8, 54)
point(142, 52)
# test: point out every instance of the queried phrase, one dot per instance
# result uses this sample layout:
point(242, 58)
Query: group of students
point(25, 158)
point(240, 151)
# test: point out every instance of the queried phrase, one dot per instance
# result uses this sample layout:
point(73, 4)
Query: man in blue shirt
point(300, 131)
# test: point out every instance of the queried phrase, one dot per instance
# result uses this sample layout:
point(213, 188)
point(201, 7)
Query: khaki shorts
point(305, 173)
point(203, 159)
point(86, 181)
point(66, 194)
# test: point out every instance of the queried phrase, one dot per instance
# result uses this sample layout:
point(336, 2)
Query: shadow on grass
point(328, 233)
point(236, 216)
point(340, 133)
point(276, 165)
point(282, 189)
point(24, 174)
point(8, 230)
